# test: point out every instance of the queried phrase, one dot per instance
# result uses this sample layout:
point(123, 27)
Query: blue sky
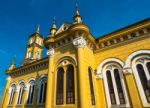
point(19, 18)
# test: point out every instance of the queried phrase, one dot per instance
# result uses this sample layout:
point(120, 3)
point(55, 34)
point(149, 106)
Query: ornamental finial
point(38, 29)
point(77, 17)
point(53, 28)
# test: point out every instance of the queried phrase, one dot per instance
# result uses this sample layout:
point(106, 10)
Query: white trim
point(43, 76)
point(133, 55)
point(30, 80)
point(69, 58)
point(139, 85)
point(29, 84)
point(12, 87)
point(79, 42)
point(43, 79)
point(20, 94)
point(50, 52)
point(100, 67)
point(114, 86)
point(115, 66)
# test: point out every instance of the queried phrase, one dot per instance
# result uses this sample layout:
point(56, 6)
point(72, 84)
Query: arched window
point(13, 88)
point(31, 92)
point(111, 88)
point(91, 86)
point(21, 92)
point(119, 86)
point(36, 55)
point(144, 81)
point(42, 91)
point(141, 71)
point(31, 41)
point(115, 88)
point(59, 92)
point(29, 55)
point(39, 41)
point(148, 66)
point(70, 90)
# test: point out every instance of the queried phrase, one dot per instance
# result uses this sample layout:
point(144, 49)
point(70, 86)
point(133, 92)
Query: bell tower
point(34, 47)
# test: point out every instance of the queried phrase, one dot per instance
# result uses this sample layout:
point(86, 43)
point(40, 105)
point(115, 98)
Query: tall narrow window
point(42, 91)
point(116, 93)
point(31, 93)
point(45, 87)
point(59, 92)
point(21, 91)
point(148, 66)
point(70, 92)
point(111, 88)
point(13, 88)
point(91, 86)
point(144, 81)
point(36, 55)
point(29, 54)
point(119, 86)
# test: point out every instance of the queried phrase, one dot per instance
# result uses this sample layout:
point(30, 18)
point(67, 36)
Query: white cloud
point(3, 52)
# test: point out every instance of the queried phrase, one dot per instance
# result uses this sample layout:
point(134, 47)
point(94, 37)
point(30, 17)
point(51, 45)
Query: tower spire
point(53, 28)
point(77, 10)
point(38, 29)
point(54, 23)
point(77, 17)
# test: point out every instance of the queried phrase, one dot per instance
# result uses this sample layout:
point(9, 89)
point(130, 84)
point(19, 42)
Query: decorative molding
point(99, 69)
point(131, 56)
point(64, 63)
point(17, 89)
point(137, 77)
point(26, 88)
point(127, 70)
point(50, 52)
point(79, 42)
point(99, 76)
point(119, 39)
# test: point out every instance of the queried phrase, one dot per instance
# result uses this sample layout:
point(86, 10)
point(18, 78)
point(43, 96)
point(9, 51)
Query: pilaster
point(50, 53)
point(6, 93)
point(80, 43)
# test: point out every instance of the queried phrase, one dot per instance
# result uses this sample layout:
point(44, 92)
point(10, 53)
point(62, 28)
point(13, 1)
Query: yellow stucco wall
point(85, 57)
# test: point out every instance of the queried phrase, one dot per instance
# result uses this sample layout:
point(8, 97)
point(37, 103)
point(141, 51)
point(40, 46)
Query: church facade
point(80, 71)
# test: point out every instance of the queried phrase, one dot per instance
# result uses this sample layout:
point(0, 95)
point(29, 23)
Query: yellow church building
point(80, 71)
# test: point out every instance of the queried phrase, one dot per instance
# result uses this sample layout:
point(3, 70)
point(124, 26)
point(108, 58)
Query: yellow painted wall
point(93, 59)
point(122, 52)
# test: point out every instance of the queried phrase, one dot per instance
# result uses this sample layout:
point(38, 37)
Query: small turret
point(77, 17)
point(53, 28)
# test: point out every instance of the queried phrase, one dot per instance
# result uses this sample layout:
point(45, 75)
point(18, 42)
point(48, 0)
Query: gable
point(63, 27)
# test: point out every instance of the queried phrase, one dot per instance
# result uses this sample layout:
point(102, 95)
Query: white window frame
point(37, 55)
point(20, 94)
point(31, 81)
point(39, 41)
point(137, 78)
point(105, 68)
point(31, 41)
point(13, 87)
point(29, 54)
point(43, 80)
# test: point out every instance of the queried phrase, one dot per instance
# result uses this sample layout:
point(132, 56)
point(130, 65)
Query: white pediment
point(63, 27)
